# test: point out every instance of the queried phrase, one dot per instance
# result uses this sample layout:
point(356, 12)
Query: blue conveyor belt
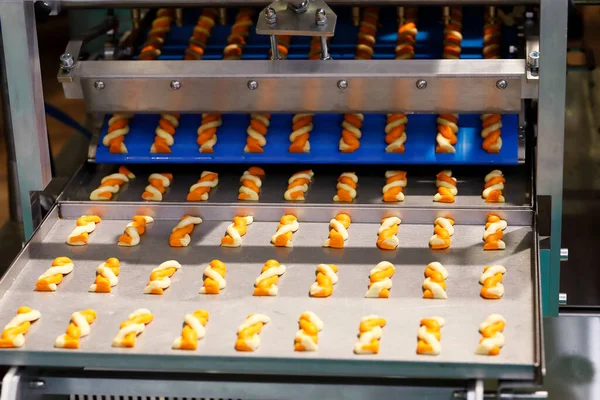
point(420, 145)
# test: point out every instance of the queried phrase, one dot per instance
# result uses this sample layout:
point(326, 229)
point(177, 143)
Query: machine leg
point(25, 102)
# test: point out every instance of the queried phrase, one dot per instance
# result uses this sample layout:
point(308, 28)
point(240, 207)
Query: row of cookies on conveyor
point(301, 129)
point(251, 183)
point(266, 283)
point(248, 333)
point(387, 238)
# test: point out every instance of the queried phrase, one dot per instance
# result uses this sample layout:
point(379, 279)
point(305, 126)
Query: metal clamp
point(299, 18)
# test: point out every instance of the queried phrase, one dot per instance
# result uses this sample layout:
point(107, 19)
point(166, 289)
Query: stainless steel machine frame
point(498, 86)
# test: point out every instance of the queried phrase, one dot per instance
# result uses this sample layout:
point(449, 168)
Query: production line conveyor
point(328, 88)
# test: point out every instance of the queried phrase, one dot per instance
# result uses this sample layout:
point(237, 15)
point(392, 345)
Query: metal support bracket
point(288, 21)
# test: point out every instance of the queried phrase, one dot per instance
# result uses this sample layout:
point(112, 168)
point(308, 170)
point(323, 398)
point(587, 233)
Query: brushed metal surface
point(463, 311)
point(373, 86)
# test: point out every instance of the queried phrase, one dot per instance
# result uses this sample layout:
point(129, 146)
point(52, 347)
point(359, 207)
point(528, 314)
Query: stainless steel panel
point(195, 3)
point(551, 127)
point(382, 85)
point(573, 357)
point(464, 309)
point(24, 102)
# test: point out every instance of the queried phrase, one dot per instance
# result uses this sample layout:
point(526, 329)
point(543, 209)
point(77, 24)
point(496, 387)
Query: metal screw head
point(252, 85)
point(66, 61)
point(36, 384)
point(99, 85)
point(271, 15)
point(342, 85)
point(501, 84)
point(421, 84)
point(175, 85)
point(321, 17)
point(299, 6)
point(533, 59)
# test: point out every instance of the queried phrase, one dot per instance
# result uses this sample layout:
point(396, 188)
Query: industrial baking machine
point(371, 189)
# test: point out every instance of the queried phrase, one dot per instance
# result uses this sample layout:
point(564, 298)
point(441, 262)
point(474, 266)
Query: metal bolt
point(299, 6)
point(562, 299)
point(66, 61)
point(321, 17)
point(99, 85)
point(252, 85)
point(36, 384)
point(421, 84)
point(175, 85)
point(501, 84)
point(271, 15)
point(533, 59)
point(342, 85)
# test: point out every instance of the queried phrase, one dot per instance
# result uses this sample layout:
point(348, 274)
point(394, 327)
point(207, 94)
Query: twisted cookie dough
point(429, 336)
point(248, 331)
point(193, 330)
point(494, 232)
point(387, 239)
point(132, 327)
point(106, 276)
point(380, 281)
point(13, 334)
point(370, 331)
point(85, 225)
point(491, 279)
point(180, 235)
point(307, 338)
point(288, 224)
point(434, 286)
point(492, 339)
point(160, 278)
point(324, 281)
point(78, 328)
point(338, 234)
point(49, 280)
point(266, 283)
point(442, 230)
point(134, 230)
point(214, 278)
point(235, 231)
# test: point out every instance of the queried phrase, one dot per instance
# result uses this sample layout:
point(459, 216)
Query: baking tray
point(418, 193)
point(464, 309)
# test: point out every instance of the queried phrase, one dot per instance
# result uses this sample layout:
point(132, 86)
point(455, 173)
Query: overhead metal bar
point(299, 85)
point(262, 3)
